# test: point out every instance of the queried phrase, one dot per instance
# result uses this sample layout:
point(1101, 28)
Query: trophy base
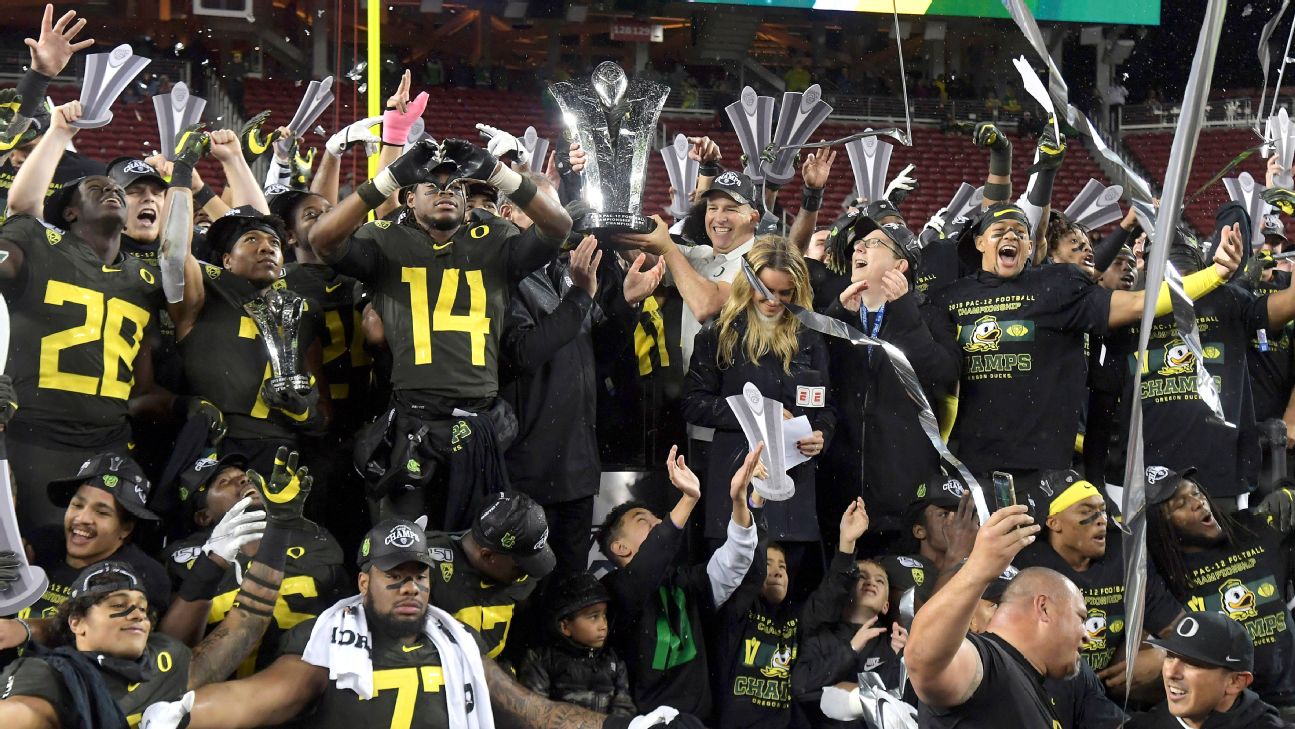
point(296, 383)
point(103, 121)
point(610, 223)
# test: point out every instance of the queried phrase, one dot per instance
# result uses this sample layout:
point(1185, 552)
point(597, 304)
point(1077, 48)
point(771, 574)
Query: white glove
point(501, 143)
point(356, 133)
point(168, 714)
point(659, 715)
point(840, 704)
point(238, 527)
point(902, 182)
point(936, 222)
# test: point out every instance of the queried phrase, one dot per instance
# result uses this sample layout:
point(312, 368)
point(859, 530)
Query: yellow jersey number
point(104, 320)
point(425, 320)
point(405, 682)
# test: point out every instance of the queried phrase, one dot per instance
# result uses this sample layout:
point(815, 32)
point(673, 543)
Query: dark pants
point(570, 533)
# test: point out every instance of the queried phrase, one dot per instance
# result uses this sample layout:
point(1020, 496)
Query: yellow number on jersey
point(405, 683)
point(425, 321)
point(485, 617)
point(102, 321)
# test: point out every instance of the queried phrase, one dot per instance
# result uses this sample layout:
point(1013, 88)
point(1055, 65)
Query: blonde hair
point(777, 253)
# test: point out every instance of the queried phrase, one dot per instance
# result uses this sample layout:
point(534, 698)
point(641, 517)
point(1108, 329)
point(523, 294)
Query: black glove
point(255, 145)
point(8, 401)
point(196, 407)
point(1281, 198)
point(474, 162)
point(988, 135)
point(1051, 150)
point(285, 493)
point(1279, 507)
point(192, 144)
point(302, 171)
point(411, 167)
point(296, 404)
point(9, 565)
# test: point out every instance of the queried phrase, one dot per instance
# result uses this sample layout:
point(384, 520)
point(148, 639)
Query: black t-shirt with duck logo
point(1102, 585)
point(161, 674)
point(472, 598)
point(1249, 581)
point(1272, 359)
point(1176, 424)
point(1023, 382)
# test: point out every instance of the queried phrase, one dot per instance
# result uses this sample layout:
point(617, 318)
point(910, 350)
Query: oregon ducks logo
point(985, 334)
point(1178, 359)
point(779, 663)
point(1095, 630)
point(147, 275)
point(479, 232)
point(508, 540)
point(1238, 600)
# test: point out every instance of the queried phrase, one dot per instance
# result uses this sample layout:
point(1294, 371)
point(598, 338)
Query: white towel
point(341, 642)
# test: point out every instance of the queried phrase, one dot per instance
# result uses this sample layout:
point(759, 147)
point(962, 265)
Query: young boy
point(574, 666)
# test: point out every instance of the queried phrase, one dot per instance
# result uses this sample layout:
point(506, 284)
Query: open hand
point(640, 284)
point(51, 52)
point(817, 168)
point(585, 260)
point(1227, 256)
point(681, 476)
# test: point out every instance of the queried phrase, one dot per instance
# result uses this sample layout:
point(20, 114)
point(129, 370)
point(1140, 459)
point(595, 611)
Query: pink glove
point(395, 126)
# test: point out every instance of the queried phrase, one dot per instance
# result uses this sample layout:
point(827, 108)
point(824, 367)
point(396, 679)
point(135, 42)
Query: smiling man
point(1021, 331)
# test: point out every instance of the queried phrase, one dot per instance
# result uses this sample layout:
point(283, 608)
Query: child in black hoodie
point(574, 666)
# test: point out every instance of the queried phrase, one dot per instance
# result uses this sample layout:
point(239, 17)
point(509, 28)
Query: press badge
point(811, 397)
point(1262, 336)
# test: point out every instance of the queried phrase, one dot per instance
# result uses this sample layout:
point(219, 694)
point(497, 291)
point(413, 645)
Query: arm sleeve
point(729, 565)
point(747, 592)
point(636, 581)
point(831, 596)
point(363, 257)
point(529, 250)
point(532, 340)
point(533, 674)
point(702, 402)
point(1162, 609)
point(1109, 247)
point(1093, 710)
point(34, 678)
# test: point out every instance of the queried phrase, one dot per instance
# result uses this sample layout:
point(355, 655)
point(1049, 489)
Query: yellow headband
point(1074, 493)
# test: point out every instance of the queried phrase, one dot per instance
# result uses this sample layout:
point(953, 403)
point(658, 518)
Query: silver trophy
point(1280, 135)
point(798, 117)
point(683, 175)
point(752, 117)
point(869, 160)
point(106, 76)
point(537, 148)
point(176, 111)
point(614, 118)
point(318, 96)
point(277, 315)
point(1245, 190)
point(761, 420)
point(1096, 205)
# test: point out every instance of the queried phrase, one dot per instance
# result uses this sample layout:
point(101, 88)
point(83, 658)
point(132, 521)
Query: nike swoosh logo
point(331, 289)
point(106, 269)
point(410, 648)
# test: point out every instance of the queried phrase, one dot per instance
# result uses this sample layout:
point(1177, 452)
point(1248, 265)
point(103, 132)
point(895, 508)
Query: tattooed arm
point(216, 657)
point(522, 708)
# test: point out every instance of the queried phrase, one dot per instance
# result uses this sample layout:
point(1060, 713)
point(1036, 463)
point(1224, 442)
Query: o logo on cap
point(1188, 627)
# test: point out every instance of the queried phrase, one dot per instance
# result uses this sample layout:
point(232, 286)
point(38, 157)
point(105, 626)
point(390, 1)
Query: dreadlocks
point(1166, 548)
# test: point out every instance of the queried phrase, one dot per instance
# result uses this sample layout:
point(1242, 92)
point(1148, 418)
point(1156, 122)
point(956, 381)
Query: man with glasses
point(1084, 544)
point(441, 286)
point(878, 421)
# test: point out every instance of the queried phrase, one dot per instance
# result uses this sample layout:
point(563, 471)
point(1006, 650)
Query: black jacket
point(705, 404)
point(553, 336)
point(1249, 712)
point(594, 678)
point(877, 423)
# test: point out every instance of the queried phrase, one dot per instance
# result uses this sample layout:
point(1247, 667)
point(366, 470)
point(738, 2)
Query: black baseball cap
point(195, 479)
point(1272, 225)
point(393, 542)
point(118, 475)
point(126, 171)
point(907, 245)
point(883, 208)
point(995, 589)
point(1210, 639)
point(227, 228)
point(108, 577)
point(943, 489)
point(514, 524)
point(736, 186)
point(1162, 482)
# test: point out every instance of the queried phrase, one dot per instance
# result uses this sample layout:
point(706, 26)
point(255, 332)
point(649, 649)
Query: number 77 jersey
point(77, 329)
point(443, 304)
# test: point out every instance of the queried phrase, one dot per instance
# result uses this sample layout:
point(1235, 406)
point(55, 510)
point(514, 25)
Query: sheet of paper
point(792, 431)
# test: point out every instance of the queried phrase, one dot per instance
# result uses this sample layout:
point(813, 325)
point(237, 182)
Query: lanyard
point(876, 327)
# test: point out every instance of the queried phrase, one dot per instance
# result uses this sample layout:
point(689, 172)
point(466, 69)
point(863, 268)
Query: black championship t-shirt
point(1176, 424)
point(1249, 581)
point(408, 688)
point(1011, 694)
point(443, 306)
point(1272, 359)
point(51, 555)
point(1102, 585)
point(76, 329)
point(161, 674)
point(346, 363)
point(226, 359)
point(313, 579)
point(486, 607)
point(1023, 368)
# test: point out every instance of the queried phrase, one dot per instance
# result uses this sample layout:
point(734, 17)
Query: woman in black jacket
point(759, 341)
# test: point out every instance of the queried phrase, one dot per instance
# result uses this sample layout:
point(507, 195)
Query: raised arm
point(943, 665)
point(1126, 306)
point(998, 185)
point(27, 195)
point(238, 176)
point(815, 173)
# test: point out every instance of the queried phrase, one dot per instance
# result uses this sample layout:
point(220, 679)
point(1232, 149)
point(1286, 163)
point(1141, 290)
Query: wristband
point(273, 552)
point(32, 87)
point(259, 612)
point(25, 627)
point(708, 169)
point(1000, 160)
point(370, 194)
point(1195, 286)
point(202, 196)
point(181, 176)
point(203, 580)
point(1041, 193)
point(506, 181)
point(811, 199)
point(997, 191)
